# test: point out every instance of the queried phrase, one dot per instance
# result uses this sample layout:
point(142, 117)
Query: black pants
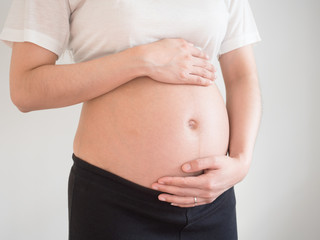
point(104, 206)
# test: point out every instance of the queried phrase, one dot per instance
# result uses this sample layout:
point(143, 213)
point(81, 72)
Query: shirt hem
point(235, 43)
point(8, 36)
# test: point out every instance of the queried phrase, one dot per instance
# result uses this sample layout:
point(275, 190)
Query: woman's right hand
point(177, 61)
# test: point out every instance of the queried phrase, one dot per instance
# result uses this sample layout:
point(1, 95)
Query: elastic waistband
point(115, 182)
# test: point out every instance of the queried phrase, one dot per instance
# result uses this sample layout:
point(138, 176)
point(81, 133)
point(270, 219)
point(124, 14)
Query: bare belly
point(145, 129)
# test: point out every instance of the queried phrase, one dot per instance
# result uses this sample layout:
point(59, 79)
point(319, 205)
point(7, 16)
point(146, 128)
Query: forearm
point(244, 110)
point(53, 86)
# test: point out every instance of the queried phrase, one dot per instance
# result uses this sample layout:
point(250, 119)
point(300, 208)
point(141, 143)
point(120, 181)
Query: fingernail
point(207, 56)
point(162, 199)
point(155, 187)
point(186, 167)
point(173, 204)
point(161, 182)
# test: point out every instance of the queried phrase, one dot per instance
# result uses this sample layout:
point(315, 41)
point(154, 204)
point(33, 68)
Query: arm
point(37, 83)
point(223, 172)
point(243, 102)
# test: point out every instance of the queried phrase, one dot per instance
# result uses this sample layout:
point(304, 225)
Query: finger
point(183, 192)
point(196, 52)
point(177, 200)
point(189, 205)
point(199, 182)
point(202, 72)
point(204, 64)
point(197, 80)
point(200, 164)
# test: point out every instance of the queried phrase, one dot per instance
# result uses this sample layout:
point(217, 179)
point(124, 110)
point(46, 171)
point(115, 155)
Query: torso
point(146, 129)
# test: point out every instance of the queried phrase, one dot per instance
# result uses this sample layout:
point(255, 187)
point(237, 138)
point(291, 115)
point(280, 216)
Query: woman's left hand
point(219, 174)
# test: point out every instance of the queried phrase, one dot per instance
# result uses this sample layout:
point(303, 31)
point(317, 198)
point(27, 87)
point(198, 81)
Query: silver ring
point(195, 200)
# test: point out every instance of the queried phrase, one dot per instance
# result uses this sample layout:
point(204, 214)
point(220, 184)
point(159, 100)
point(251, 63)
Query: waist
point(145, 129)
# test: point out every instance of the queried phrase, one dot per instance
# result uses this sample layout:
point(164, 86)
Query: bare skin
point(37, 83)
point(144, 115)
point(145, 129)
point(222, 172)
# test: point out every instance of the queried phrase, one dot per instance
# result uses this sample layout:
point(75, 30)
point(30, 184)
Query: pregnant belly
point(145, 129)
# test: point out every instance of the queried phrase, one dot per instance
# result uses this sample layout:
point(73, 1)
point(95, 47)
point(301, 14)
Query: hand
point(177, 61)
point(219, 174)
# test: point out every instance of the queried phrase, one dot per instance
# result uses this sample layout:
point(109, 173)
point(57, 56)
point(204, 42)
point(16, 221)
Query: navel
point(193, 124)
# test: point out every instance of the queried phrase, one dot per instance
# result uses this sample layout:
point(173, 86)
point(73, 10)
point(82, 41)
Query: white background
point(278, 200)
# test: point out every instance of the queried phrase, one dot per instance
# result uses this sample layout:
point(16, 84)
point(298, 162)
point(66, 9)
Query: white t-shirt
point(95, 28)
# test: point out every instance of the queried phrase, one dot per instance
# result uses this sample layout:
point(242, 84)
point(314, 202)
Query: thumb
point(201, 164)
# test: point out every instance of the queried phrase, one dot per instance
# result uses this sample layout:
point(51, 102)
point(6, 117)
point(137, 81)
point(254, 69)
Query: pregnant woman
point(157, 152)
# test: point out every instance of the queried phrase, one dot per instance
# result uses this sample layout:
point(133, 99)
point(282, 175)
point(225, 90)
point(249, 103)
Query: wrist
point(244, 159)
point(141, 55)
point(243, 154)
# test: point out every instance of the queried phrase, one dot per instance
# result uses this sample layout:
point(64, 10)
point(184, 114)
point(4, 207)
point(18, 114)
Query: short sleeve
point(241, 29)
point(42, 22)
